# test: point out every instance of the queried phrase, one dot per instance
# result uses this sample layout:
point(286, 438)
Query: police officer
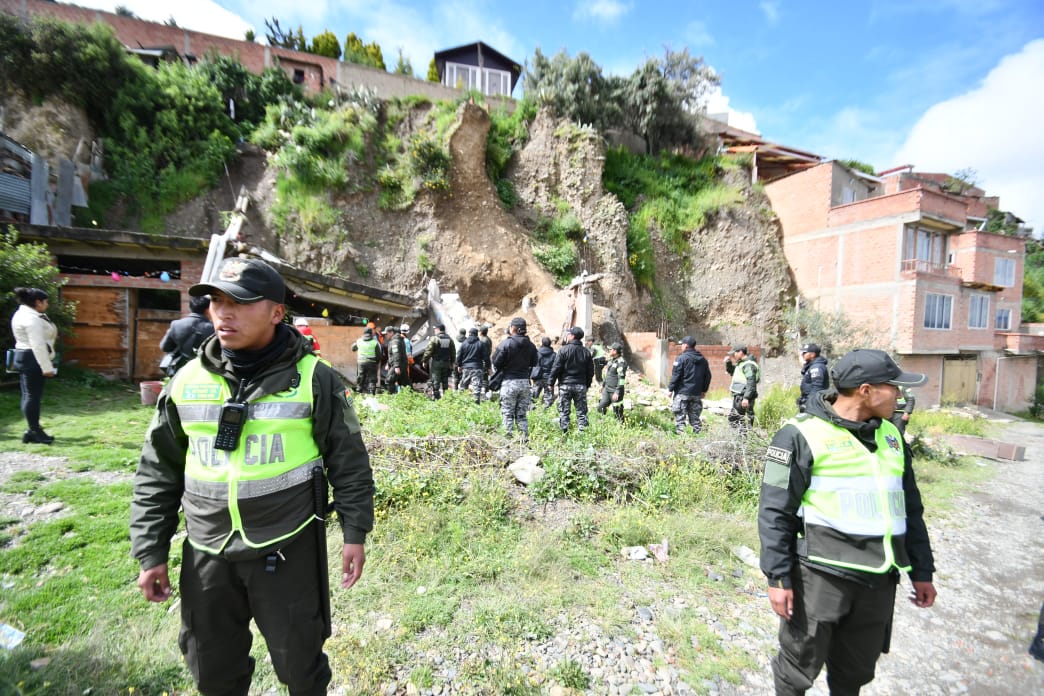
point(745, 374)
point(516, 357)
point(545, 359)
point(240, 441)
point(572, 371)
point(398, 362)
point(613, 386)
point(185, 335)
point(690, 379)
point(483, 335)
point(474, 362)
point(904, 406)
point(439, 359)
point(840, 517)
point(370, 355)
point(597, 356)
point(815, 375)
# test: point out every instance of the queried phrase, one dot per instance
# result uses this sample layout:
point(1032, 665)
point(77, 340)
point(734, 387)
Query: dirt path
point(989, 557)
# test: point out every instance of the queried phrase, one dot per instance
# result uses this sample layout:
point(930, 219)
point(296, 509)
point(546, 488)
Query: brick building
point(899, 253)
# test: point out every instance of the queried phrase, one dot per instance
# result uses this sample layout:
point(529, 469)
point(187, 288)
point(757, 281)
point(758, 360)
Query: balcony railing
point(939, 269)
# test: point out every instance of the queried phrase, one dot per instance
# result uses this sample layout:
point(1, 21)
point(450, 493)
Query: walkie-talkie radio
point(230, 425)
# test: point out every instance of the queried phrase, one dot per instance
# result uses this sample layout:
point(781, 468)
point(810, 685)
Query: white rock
point(527, 469)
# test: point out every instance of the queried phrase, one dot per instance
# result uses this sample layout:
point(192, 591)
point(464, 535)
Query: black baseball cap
point(245, 281)
point(473, 331)
point(518, 323)
point(577, 332)
point(869, 366)
point(689, 341)
point(739, 348)
point(618, 347)
point(810, 348)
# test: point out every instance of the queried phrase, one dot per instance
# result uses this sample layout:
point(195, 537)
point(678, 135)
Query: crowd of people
point(254, 430)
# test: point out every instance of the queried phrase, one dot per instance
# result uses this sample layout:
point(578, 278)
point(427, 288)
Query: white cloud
point(601, 10)
point(770, 8)
point(993, 129)
point(697, 34)
point(199, 15)
point(718, 107)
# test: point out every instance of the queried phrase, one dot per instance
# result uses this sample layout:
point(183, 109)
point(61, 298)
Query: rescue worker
point(840, 517)
point(597, 356)
point(573, 372)
point(904, 406)
point(398, 366)
point(545, 359)
point(185, 335)
point(613, 386)
point(516, 357)
point(474, 362)
point(370, 356)
point(439, 359)
point(690, 380)
point(745, 374)
point(243, 440)
point(483, 335)
point(815, 374)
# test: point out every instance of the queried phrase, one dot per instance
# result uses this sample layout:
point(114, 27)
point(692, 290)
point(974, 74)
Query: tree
point(574, 88)
point(171, 22)
point(859, 166)
point(355, 51)
point(249, 35)
point(277, 36)
point(403, 66)
point(124, 11)
point(433, 72)
point(326, 44)
point(962, 182)
point(28, 265)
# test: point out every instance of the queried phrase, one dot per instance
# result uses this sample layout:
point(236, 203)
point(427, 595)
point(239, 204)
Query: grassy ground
point(463, 565)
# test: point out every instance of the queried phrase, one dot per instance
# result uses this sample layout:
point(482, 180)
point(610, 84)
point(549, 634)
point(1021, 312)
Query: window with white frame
point(1003, 320)
point(498, 82)
point(925, 249)
point(486, 80)
point(937, 311)
point(1004, 272)
point(979, 312)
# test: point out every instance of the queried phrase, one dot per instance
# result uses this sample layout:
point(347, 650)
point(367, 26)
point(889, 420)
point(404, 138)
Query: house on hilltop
point(906, 254)
point(478, 66)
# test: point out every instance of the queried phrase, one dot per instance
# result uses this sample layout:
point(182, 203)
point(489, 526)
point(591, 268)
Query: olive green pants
point(218, 599)
point(841, 623)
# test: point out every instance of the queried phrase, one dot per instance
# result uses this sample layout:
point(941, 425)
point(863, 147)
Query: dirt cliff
point(732, 285)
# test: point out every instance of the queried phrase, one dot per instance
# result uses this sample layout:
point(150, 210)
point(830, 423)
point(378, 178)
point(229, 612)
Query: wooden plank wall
point(150, 325)
point(100, 339)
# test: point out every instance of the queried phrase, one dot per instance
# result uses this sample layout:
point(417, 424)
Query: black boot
point(37, 436)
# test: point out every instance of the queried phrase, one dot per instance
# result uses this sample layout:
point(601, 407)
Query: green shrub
point(571, 675)
point(776, 406)
point(431, 162)
point(555, 244)
point(29, 265)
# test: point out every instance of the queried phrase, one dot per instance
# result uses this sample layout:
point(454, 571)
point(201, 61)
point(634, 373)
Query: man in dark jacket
point(840, 517)
point(815, 375)
point(690, 379)
point(240, 441)
point(545, 359)
point(573, 372)
point(474, 363)
point(439, 359)
point(483, 335)
point(185, 335)
point(613, 384)
point(398, 374)
point(516, 358)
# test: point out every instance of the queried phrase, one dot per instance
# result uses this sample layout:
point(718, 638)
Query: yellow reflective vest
point(854, 508)
point(260, 490)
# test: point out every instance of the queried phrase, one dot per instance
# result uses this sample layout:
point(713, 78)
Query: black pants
point(32, 381)
point(607, 400)
point(738, 414)
point(839, 622)
point(218, 599)
point(367, 379)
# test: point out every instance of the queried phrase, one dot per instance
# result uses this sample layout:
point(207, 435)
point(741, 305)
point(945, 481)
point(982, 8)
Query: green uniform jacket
point(788, 474)
point(160, 478)
point(615, 375)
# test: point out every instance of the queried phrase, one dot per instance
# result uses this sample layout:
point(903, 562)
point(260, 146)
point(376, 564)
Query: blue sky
point(941, 84)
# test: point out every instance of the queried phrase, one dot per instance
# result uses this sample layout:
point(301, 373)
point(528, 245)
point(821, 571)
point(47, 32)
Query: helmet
point(300, 321)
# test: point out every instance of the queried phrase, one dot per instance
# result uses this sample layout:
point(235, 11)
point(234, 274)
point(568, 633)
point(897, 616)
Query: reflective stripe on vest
point(367, 349)
point(739, 376)
point(855, 492)
point(276, 452)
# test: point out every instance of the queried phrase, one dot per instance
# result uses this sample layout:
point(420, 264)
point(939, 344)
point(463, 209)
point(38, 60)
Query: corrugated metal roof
point(14, 194)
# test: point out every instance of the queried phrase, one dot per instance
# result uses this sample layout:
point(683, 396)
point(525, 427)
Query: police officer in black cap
point(840, 517)
point(815, 375)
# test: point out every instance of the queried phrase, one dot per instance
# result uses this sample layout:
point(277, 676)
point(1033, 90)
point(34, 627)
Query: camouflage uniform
point(572, 394)
point(688, 407)
point(515, 398)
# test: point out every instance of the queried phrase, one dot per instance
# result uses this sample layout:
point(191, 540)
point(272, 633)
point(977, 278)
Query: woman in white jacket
point(34, 345)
